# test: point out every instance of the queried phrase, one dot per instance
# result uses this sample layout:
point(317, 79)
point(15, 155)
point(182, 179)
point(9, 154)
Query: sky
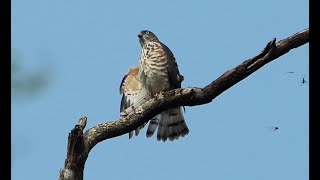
point(86, 47)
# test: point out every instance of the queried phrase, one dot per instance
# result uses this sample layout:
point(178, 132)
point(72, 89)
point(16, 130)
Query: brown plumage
point(159, 73)
point(133, 94)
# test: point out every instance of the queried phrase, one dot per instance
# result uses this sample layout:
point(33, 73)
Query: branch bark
point(80, 144)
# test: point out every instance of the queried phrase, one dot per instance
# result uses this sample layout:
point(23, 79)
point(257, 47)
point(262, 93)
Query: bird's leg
point(138, 110)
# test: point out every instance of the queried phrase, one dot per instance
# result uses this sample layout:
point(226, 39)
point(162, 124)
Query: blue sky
point(88, 46)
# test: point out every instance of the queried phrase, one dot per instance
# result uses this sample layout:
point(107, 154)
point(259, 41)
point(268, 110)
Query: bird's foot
point(159, 95)
point(138, 110)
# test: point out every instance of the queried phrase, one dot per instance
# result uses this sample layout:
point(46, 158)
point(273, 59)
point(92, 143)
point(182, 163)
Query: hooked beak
point(140, 34)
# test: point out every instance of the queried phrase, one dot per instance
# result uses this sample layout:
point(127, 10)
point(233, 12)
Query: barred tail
point(172, 125)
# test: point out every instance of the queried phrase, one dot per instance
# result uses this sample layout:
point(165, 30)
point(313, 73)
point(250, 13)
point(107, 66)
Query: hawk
point(133, 95)
point(159, 73)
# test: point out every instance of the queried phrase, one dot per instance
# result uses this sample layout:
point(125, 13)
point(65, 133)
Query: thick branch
point(79, 144)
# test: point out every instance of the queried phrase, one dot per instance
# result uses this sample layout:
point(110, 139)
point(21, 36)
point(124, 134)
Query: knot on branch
point(66, 174)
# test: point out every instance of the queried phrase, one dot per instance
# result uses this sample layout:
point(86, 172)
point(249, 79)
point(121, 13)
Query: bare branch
point(76, 157)
point(79, 144)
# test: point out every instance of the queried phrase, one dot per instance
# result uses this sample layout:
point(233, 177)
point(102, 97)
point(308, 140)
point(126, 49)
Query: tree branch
point(80, 145)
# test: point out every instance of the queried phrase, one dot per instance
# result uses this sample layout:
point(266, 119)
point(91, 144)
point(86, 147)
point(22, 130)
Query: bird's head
point(146, 36)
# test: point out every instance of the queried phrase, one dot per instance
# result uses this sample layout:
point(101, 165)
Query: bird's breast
point(154, 63)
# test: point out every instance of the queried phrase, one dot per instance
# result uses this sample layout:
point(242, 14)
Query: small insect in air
point(303, 81)
point(275, 128)
point(272, 128)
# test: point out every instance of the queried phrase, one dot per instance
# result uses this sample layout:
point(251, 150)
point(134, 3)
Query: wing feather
point(132, 93)
point(130, 88)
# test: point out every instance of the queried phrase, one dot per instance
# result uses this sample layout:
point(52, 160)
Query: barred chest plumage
point(159, 72)
point(154, 63)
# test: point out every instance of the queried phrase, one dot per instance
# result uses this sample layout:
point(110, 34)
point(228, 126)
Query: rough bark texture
point(80, 144)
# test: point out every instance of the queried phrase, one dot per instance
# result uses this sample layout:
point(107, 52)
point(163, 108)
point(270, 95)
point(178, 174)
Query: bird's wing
point(130, 88)
point(175, 77)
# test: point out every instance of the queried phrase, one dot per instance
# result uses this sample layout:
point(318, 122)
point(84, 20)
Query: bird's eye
point(147, 32)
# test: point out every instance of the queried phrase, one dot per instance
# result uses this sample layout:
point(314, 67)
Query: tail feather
point(172, 125)
point(137, 131)
point(162, 128)
point(130, 134)
point(153, 124)
point(170, 129)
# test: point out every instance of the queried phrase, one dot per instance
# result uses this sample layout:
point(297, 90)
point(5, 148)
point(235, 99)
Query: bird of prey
point(159, 73)
point(133, 95)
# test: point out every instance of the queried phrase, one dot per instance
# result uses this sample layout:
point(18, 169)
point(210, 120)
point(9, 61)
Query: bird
point(158, 73)
point(133, 95)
